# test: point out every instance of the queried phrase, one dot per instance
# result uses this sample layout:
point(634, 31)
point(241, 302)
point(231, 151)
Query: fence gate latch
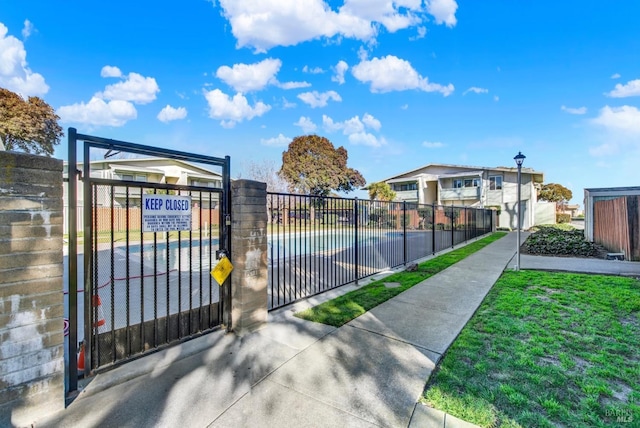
point(220, 254)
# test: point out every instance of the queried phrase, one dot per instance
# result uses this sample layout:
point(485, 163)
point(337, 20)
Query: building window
point(495, 182)
point(206, 183)
point(130, 177)
point(466, 182)
point(402, 187)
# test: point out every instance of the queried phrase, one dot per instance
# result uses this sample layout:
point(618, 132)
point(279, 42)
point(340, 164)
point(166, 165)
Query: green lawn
point(351, 305)
point(546, 349)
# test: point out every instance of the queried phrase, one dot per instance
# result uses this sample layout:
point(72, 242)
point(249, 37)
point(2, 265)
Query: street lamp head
point(519, 158)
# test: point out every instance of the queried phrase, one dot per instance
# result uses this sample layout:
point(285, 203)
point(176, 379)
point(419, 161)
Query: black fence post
point(453, 228)
point(404, 232)
point(72, 200)
point(355, 251)
point(433, 228)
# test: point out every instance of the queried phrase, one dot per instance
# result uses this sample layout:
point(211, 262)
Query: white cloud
point(444, 11)
point(135, 88)
point(279, 141)
point(286, 104)
point(15, 73)
point(340, 68)
point(366, 139)
point(110, 71)
point(371, 122)
point(615, 76)
point(114, 106)
point(268, 23)
point(631, 89)
point(363, 53)
point(27, 29)
point(169, 113)
point(293, 85)
point(314, 70)
point(404, 106)
point(388, 13)
point(250, 77)
point(317, 99)
point(432, 145)
point(355, 129)
point(476, 90)
point(625, 119)
point(352, 126)
point(622, 129)
point(394, 74)
point(98, 112)
point(422, 32)
point(306, 124)
point(496, 98)
point(232, 110)
point(574, 110)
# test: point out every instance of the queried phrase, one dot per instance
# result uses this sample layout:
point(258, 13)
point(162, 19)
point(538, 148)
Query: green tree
point(381, 191)
point(29, 125)
point(557, 193)
point(313, 166)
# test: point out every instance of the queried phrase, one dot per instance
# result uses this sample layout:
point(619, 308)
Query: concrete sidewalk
point(370, 372)
point(575, 264)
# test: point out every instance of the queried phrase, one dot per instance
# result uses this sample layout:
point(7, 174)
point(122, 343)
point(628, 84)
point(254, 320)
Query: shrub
point(560, 226)
point(557, 242)
point(563, 218)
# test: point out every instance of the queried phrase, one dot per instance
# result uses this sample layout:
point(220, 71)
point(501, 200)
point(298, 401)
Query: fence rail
point(320, 243)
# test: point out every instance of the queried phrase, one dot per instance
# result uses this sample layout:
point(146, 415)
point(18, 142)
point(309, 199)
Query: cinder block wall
point(249, 255)
point(31, 292)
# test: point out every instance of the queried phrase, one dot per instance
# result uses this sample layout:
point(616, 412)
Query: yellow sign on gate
point(222, 270)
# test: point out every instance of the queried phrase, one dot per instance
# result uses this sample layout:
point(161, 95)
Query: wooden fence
point(616, 225)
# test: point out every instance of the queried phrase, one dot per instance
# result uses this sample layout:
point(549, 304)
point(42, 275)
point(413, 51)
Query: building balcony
point(459, 194)
point(407, 195)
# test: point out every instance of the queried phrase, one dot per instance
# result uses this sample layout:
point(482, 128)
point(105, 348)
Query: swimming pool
point(285, 245)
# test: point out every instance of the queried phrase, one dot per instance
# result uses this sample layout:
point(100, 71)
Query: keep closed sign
point(166, 213)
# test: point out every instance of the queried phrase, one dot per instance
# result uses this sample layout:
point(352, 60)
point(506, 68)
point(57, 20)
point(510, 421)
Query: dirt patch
point(549, 361)
point(622, 391)
point(630, 321)
point(581, 365)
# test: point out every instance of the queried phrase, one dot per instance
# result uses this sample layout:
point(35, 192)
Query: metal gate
point(148, 250)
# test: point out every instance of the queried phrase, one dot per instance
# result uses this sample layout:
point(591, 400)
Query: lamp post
point(519, 158)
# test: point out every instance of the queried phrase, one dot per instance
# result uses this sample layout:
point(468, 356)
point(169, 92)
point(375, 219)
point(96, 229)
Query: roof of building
point(113, 162)
point(471, 170)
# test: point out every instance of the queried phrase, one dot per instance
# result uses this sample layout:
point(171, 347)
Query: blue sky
point(399, 84)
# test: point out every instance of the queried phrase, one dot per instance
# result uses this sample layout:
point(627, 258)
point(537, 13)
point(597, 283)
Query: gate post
point(249, 256)
point(31, 289)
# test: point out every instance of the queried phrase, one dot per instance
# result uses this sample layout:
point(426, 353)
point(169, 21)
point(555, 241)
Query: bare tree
point(266, 171)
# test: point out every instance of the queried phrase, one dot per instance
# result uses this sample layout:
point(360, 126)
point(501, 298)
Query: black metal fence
point(150, 288)
point(320, 243)
point(144, 276)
